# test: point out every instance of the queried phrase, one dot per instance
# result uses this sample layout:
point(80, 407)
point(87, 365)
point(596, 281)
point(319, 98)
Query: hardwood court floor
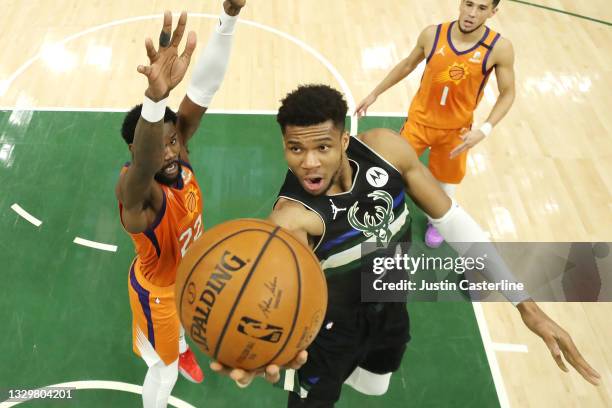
point(544, 175)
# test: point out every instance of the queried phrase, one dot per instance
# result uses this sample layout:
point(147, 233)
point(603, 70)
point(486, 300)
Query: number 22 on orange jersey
point(191, 234)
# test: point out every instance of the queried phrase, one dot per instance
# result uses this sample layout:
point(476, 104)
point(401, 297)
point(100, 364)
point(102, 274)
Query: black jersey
point(373, 210)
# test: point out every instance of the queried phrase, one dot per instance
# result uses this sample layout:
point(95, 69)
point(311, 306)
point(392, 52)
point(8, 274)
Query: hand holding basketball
point(252, 297)
point(167, 69)
point(271, 373)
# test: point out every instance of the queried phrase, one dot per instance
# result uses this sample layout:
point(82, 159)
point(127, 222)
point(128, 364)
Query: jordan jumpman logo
point(335, 209)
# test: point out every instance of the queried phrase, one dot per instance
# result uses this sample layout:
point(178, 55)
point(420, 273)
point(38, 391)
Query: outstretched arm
point(139, 195)
point(460, 230)
point(209, 71)
point(399, 72)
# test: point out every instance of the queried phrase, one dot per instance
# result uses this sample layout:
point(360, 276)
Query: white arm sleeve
point(461, 232)
point(210, 69)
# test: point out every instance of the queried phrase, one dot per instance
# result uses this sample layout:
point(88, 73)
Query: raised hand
point(167, 68)
point(232, 7)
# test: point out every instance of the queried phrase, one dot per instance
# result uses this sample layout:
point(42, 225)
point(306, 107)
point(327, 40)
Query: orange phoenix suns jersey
point(453, 82)
point(160, 248)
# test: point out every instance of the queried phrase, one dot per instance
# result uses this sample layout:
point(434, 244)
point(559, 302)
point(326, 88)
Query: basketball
point(249, 294)
point(456, 73)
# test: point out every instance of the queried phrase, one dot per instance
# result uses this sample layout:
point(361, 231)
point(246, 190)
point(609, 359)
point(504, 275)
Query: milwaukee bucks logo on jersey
point(376, 225)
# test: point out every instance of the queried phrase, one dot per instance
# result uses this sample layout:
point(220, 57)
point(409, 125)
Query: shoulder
point(121, 181)
point(428, 34)
point(390, 146)
point(118, 189)
point(503, 52)
point(429, 31)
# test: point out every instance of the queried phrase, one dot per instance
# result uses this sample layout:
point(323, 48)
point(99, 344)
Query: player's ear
point(130, 146)
point(344, 139)
point(494, 11)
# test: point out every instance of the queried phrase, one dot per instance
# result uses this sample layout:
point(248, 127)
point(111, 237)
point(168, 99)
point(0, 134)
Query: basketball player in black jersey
point(339, 192)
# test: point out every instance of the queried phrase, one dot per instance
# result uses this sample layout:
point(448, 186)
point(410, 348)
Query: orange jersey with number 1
point(160, 248)
point(453, 81)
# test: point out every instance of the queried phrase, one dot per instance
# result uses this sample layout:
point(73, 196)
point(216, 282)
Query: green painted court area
point(64, 309)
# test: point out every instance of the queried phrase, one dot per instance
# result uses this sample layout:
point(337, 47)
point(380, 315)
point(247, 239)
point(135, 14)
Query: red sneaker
point(189, 368)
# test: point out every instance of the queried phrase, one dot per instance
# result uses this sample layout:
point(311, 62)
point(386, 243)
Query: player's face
point(474, 13)
point(314, 154)
point(170, 170)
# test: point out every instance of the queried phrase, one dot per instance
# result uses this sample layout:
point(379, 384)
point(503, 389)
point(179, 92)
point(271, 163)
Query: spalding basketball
point(250, 294)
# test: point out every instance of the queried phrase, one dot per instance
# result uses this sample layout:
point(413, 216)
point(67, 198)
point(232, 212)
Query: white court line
point(26, 215)
point(95, 245)
point(105, 385)
point(61, 109)
point(121, 110)
point(214, 111)
point(5, 84)
point(208, 111)
point(513, 348)
point(350, 99)
point(388, 114)
point(502, 395)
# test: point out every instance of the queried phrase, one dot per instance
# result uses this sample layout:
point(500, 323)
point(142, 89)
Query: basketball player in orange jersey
point(160, 201)
point(460, 57)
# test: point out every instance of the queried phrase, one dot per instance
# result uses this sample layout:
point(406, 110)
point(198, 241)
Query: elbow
point(508, 94)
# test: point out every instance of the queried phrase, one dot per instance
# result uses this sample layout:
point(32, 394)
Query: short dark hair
point(311, 105)
point(131, 119)
point(495, 3)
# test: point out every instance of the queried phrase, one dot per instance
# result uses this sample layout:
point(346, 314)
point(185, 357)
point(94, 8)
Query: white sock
point(182, 343)
point(368, 383)
point(158, 384)
point(449, 189)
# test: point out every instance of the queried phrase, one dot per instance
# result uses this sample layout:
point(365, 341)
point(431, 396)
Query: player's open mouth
point(313, 183)
point(467, 24)
point(171, 169)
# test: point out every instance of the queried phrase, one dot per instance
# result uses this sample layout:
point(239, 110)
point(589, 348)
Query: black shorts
point(370, 336)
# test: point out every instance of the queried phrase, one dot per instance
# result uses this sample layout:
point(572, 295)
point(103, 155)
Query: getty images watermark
point(409, 265)
point(486, 272)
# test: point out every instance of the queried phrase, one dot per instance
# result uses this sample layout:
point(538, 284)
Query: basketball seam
point(297, 307)
point(195, 265)
point(242, 290)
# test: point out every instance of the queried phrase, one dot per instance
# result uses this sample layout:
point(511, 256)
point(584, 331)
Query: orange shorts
point(441, 142)
point(154, 313)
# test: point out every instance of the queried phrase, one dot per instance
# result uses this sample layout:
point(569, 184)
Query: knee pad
point(368, 383)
